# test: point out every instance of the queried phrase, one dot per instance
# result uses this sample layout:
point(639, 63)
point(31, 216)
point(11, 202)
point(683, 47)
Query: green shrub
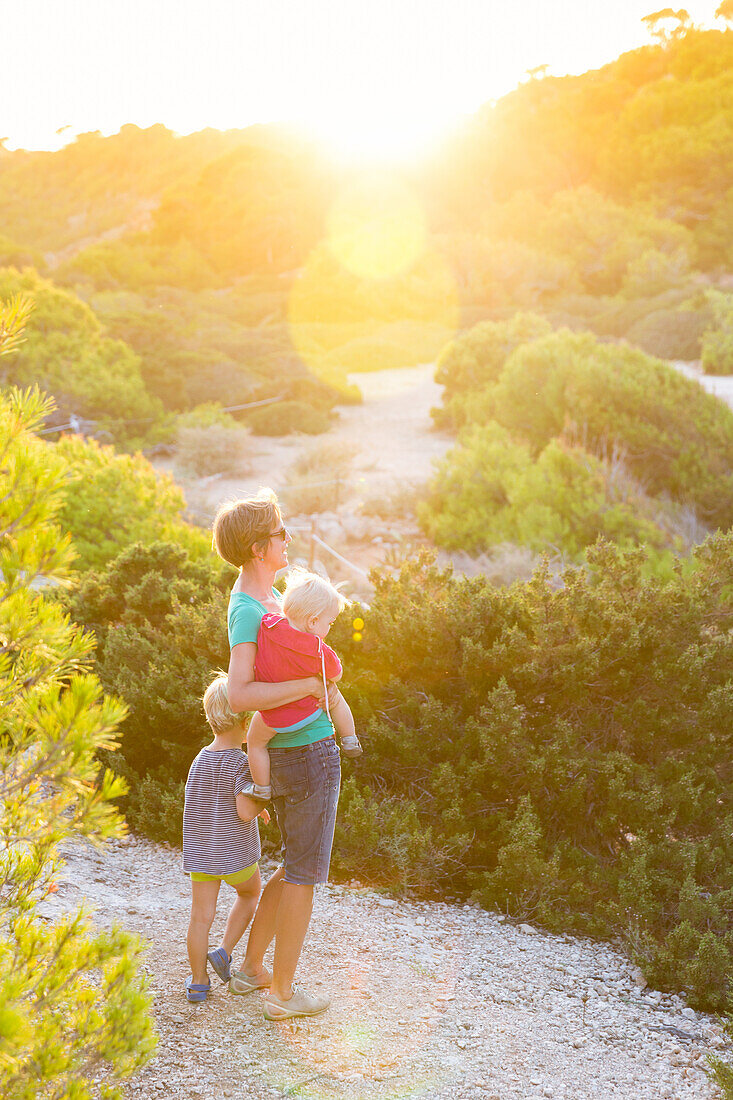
point(382, 840)
point(676, 439)
point(489, 491)
point(476, 358)
point(671, 333)
point(285, 417)
point(655, 271)
point(587, 728)
point(113, 500)
point(160, 620)
point(717, 345)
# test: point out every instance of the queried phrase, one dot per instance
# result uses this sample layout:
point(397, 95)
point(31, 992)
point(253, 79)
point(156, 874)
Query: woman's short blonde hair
point(218, 713)
point(308, 595)
point(240, 525)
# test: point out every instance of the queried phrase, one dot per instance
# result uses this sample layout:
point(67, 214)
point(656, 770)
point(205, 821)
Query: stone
point(528, 930)
point(637, 977)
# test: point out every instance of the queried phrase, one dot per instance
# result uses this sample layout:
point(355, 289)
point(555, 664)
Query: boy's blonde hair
point(239, 525)
point(308, 595)
point(218, 713)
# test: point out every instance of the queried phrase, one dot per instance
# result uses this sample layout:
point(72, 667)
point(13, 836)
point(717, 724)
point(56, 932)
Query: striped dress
point(215, 840)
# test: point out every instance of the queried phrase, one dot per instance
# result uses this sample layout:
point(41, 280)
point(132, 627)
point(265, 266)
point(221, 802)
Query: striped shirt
point(215, 840)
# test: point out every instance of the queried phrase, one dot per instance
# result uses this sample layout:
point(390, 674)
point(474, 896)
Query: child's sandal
point(221, 962)
point(197, 993)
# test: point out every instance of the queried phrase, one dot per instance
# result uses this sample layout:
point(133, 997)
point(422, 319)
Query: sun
point(379, 134)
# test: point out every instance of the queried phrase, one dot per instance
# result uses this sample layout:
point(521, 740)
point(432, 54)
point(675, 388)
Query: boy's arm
point(248, 694)
point(248, 809)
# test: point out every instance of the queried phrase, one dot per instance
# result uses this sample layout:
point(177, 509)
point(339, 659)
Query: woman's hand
point(263, 814)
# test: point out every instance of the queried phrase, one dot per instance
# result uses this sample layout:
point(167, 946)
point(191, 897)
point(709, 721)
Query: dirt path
point(430, 1000)
point(719, 385)
point(390, 432)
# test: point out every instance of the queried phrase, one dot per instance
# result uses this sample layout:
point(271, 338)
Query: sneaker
point(350, 746)
point(300, 1004)
point(241, 983)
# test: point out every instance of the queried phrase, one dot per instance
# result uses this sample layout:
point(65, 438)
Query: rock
point(528, 930)
point(637, 977)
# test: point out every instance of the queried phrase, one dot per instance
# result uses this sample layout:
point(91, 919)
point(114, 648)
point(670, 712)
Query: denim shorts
point(305, 792)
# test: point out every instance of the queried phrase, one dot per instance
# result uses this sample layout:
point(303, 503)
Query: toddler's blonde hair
point(219, 714)
point(307, 595)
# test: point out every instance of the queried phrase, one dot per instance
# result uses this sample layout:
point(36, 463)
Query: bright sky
point(380, 77)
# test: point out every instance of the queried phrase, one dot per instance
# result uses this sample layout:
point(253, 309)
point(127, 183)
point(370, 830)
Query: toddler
point(291, 646)
point(221, 842)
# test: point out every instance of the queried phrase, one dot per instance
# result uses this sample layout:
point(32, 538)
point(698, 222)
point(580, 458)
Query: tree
point(725, 11)
point(667, 24)
point(67, 353)
point(75, 1006)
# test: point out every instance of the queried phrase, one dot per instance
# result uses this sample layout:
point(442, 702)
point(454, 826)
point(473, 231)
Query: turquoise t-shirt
point(245, 616)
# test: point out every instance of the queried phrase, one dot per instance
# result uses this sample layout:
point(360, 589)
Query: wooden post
point(312, 548)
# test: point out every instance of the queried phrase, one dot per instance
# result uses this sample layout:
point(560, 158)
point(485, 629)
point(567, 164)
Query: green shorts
point(235, 879)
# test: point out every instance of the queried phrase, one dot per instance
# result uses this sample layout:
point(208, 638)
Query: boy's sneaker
point(300, 1004)
point(350, 746)
point(258, 791)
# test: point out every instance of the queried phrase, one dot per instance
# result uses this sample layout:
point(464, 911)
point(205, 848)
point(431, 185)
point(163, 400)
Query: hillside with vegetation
point(557, 748)
point(245, 265)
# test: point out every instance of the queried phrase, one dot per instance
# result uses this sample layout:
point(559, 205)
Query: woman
point(305, 767)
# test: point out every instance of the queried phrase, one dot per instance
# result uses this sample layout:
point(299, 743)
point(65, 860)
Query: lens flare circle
point(376, 229)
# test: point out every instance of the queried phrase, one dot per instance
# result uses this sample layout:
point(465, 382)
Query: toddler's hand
point(333, 694)
point(265, 816)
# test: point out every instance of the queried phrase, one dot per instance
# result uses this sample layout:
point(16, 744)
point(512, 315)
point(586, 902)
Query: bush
point(654, 272)
point(66, 353)
point(676, 438)
point(209, 441)
point(490, 491)
point(201, 452)
point(587, 727)
point(286, 417)
point(320, 477)
point(717, 347)
point(113, 500)
point(476, 358)
point(717, 353)
point(671, 333)
point(160, 620)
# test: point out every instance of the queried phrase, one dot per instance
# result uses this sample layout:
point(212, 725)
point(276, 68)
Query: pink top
point(284, 653)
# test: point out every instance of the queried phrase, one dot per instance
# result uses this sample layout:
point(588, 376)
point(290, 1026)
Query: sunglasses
point(282, 533)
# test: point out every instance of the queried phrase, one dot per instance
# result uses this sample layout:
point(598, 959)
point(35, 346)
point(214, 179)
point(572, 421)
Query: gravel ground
point(429, 1000)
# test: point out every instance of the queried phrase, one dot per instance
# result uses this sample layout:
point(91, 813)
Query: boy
point(290, 646)
point(221, 841)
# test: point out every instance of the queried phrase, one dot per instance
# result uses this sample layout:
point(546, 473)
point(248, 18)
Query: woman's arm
point(246, 693)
